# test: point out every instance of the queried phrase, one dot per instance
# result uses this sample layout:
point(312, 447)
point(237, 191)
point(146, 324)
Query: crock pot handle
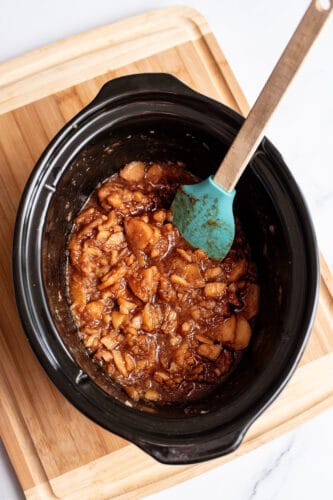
point(141, 83)
point(194, 451)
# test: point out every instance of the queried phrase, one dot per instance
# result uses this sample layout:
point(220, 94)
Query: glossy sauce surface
point(162, 319)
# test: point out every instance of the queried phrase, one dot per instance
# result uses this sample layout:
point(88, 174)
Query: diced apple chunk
point(120, 363)
point(243, 333)
point(117, 319)
point(155, 174)
point(95, 309)
point(161, 376)
point(78, 294)
point(91, 341)
point(225, 331)
point(212, 273)
point(132, 392)
point(141, 365)
point(103, 235)
point(133, 171)
point(186, 326)
point(144, 284)
point(152, 395)
point(179, 280)
point(214, 289)
point(138, 233)
point(186, 255)
point(114, 240)
point(115, 199)
point(111, 221)
point(112, 277)
point(129, 362)
point(195, 313)
point(125, 306)
point(159, 216)
point(109, 341)
point(238, 269)
point(192, 274)
point(211, 352)
point(151, 316)
point(104, 355)
point(136, 321)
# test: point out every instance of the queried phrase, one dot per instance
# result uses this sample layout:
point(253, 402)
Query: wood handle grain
point(252, 130)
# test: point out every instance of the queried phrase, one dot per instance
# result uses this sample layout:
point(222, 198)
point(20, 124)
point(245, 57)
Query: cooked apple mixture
point(163, 320)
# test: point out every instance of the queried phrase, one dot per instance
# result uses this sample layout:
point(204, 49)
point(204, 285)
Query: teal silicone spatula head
point(203, 211)
point(204, 216)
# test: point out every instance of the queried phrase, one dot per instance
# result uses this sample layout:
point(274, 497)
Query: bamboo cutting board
point(56, 451)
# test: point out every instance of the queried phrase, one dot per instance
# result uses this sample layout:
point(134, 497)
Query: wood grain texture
point(87, 55)
point(55, 450)
point(129, 473)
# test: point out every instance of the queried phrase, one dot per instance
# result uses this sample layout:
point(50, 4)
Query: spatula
point(203, 212)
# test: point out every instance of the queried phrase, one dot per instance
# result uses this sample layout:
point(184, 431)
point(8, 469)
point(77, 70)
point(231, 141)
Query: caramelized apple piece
point(112, 277)
point(112, 220)
point(95, 309)
point(125, 306)
point(133, 171)
point(212, 273)
point(238, 270)
point(159, 216)
point(144, 283)
point(180, 354)
point(166, 290)
point(214, 289)
point(138, 233)
point(120, 363)
point(114, 241)
point(186, 255)
point(179, 280)
point(132, 392)
point(117, 319)
point(161, 376)
point(129, 362)
point(243, 333)
point(170, 320)
point(151, 317)
point(225, 332)
point(109, 341)
point(78, 294)
point(210, 351)
point(192, 274)
point(152, 395)
point(154, 174)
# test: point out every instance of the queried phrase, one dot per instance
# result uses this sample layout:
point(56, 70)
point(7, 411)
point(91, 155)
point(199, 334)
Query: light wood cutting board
point(56, 451)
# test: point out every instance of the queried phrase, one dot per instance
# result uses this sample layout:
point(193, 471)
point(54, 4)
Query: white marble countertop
point(252, 35)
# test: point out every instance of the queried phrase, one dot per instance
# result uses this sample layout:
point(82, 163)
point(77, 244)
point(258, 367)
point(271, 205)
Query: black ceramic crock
point(156, 117)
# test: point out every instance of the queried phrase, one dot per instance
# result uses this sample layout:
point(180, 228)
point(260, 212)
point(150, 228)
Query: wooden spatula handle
point(252, 131)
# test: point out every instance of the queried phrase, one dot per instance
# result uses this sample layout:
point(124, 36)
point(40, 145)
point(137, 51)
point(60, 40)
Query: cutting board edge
point(31, 76)
point(260, 430)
